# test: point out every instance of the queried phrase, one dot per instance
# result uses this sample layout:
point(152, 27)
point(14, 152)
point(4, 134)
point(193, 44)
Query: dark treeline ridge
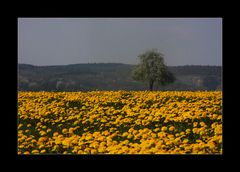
point(112, 76)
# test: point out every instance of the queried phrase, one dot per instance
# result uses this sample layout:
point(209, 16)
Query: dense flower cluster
point(120, 122)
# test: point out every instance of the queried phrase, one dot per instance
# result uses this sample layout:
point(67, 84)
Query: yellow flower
point(131, 130)
point(93, 151)
point(188, 131)
point(202, 124)
point(19, 126)
point(42, 139)
point(125, 134)
point(80, 152)
point(66, 143)
point(101, 149)
point(89, 137)
point(35, 151)
point(55, 134)
point(64, 131)
point(197, 130)
point(185, 141)
point(41, 146)
point(33, 141)
point(164, 128)
point(195, 124)
point(42, 133)
point(27, 152)
point(21, 146)
point(71, 130)
point(130, 136)
point(43, 151)
point(105, 122)
point(171, 128)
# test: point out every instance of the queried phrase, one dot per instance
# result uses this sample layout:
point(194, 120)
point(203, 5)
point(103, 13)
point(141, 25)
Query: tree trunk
point(151, 85)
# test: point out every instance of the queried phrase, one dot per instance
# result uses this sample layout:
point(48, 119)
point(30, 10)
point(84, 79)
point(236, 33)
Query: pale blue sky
point(60, 41)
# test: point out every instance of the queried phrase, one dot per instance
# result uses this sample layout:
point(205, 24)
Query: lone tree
point(152, 69)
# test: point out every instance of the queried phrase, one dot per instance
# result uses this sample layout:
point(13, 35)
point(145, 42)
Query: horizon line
point(111, 63)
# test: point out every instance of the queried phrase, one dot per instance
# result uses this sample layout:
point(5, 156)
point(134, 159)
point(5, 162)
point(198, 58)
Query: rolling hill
point(111, 76)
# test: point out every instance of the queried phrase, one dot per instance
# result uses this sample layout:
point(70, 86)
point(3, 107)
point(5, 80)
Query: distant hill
point(111, 76)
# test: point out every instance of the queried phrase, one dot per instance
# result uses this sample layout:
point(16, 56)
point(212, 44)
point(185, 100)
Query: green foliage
point(111, 76)
point(152, 69)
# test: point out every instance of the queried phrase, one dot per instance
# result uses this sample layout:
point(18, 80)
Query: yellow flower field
point(120, 122)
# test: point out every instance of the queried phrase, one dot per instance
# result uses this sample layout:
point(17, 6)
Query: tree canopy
point(152, 69)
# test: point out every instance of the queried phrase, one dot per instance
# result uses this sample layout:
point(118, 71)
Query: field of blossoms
point(120, 122)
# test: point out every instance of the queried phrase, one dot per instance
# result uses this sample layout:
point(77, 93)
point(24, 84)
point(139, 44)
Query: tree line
point(151, 73)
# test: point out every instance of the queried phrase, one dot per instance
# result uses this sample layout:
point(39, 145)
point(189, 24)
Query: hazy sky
point(59, 41)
